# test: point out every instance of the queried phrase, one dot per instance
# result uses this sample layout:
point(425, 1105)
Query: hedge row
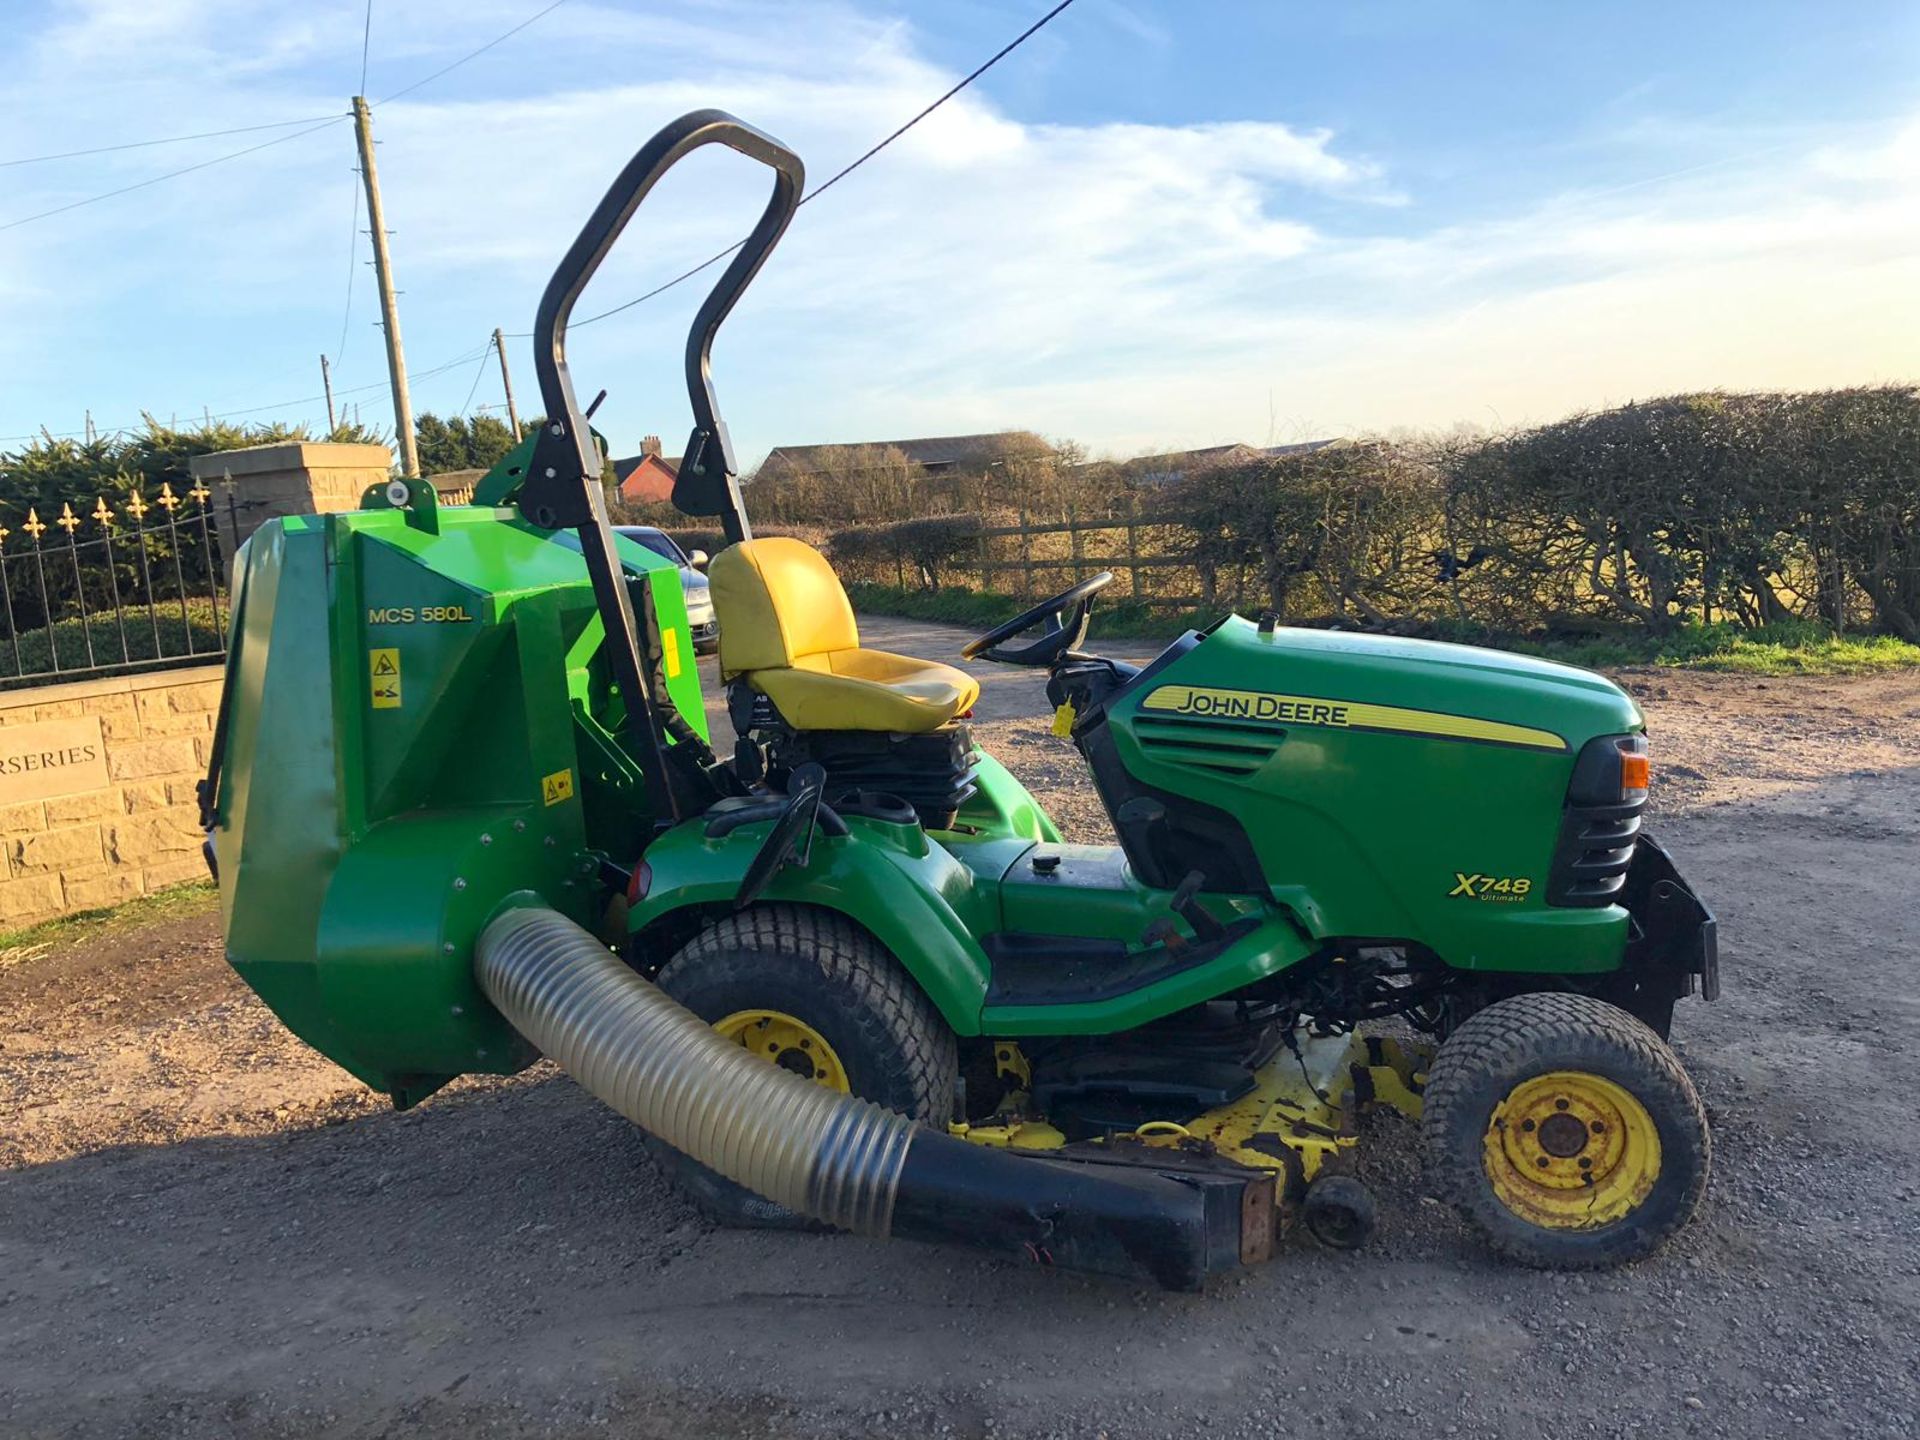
point(1748, 509)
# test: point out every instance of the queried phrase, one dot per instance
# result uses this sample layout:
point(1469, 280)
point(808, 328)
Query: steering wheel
point(1065, 617)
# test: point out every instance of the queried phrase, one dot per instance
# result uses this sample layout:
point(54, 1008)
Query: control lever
point(1188, 907)
point(791, 838)
point(1163, 931)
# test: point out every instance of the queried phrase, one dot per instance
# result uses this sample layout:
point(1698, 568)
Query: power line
point(470, 55)
point(166, 140)
point(366, 40)
point(171, 174)
point(995, 59)
point(837, 176)
point(463, 359)
point(485, 356)
point(353, 264)
point(236, 154)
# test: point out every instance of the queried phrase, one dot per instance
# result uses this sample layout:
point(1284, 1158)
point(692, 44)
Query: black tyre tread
point(845, 952)
point(898, 1021)
point(1507, 1039)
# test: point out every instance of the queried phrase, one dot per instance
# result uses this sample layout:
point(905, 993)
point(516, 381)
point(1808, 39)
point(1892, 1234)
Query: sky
point(1153, 226)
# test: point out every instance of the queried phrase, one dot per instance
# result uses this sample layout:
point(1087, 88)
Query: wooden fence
point(1151, 555)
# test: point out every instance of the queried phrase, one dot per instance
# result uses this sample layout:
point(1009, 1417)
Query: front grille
point(1206, 744)
point(1596, 847)
point(1598, 829)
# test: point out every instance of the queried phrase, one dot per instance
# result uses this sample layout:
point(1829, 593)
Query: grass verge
point(1795, 648)
point(176, 902)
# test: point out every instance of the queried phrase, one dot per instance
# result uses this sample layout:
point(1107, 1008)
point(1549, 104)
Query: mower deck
point(1301, 1114)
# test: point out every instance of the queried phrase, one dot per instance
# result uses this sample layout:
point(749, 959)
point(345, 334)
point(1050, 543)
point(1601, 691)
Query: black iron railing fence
point(132, 582)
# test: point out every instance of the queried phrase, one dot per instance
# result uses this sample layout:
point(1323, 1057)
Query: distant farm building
point(1172, 468)
point(932, 456)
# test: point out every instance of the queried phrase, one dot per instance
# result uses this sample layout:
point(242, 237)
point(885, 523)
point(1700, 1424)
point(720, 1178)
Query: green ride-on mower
point(465, 811)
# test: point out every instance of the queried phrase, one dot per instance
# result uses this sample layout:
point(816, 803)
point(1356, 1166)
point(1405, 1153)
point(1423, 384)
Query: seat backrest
point(778, 602)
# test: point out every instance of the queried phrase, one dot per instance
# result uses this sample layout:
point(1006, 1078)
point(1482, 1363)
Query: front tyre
point(1565, 1132)
point(810, 991)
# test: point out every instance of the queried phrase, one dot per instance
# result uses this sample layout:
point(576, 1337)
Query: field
point(205, 1230)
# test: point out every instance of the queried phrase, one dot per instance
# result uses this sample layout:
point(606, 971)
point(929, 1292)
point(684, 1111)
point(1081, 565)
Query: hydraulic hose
point(840, 1159)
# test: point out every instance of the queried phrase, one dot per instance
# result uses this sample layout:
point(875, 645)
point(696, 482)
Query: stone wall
point(292, 477)
point(97, 800)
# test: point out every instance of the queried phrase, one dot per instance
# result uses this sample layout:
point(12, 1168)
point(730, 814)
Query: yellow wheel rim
point(780, 1039)
point(1571, 1151)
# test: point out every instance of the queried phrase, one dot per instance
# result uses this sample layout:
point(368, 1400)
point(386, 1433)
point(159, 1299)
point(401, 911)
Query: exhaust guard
point(847, 1161)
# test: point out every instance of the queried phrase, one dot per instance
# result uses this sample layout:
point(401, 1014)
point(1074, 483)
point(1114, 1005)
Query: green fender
point(913, 897)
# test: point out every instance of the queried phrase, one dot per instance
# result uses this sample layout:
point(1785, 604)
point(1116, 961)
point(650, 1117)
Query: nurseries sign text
point(54, 757)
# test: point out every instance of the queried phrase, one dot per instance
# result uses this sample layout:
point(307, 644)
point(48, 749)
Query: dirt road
point(207, 1231)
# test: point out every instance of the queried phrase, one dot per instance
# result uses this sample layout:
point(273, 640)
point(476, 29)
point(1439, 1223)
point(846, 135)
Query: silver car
point(693, 581)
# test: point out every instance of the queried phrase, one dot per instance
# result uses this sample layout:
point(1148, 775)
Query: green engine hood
point(1372, 678)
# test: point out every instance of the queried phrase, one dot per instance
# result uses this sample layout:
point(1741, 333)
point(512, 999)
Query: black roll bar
point(562, 486)
point(706, 484)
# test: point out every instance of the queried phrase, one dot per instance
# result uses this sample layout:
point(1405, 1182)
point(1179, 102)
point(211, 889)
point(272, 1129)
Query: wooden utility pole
point(389, 308)
point(506, 383)
point(326, 381)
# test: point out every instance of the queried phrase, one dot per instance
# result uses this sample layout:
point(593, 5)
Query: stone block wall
point(111, 825)
point(293, 477)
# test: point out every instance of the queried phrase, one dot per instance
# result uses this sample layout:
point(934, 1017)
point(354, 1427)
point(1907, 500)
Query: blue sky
point(1155, 225)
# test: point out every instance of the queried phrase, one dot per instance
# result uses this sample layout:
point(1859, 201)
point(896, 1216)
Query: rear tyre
point(812, 992)
point(1565, 1132)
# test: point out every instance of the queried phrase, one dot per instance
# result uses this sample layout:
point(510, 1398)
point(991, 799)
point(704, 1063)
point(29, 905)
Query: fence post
point(986, 555)
point(1073, 538)
point(1026, 556)
point(70, 523)
point(1133, 545)
point(103, 512)
point(6, 589)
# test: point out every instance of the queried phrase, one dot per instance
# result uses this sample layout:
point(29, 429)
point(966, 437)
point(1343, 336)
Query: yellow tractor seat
point(787, 629)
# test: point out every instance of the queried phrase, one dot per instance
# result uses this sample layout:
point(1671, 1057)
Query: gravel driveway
point(205, 1230)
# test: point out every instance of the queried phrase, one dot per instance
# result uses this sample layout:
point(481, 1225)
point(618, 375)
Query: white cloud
point(1133, 285)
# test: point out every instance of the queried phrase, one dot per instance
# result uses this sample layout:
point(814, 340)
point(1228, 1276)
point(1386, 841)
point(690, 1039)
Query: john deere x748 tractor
point(466, 811)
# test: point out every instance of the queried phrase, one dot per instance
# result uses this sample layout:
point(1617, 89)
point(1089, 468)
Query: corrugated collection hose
point(828, 1156)
point(844, 1160)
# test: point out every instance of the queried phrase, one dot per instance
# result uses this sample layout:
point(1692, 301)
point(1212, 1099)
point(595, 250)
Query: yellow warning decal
point(383, 669)
point(557, 787)
point(670, 651)
point(1259, 705)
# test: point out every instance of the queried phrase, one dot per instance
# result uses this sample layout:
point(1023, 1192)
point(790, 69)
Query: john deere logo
point(1246, 705)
